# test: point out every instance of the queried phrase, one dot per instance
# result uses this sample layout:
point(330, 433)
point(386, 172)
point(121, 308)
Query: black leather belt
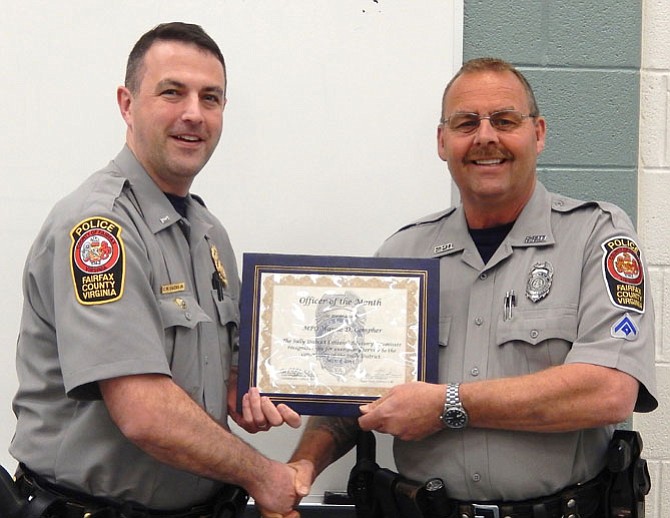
point(581, 501)
point(71, 504)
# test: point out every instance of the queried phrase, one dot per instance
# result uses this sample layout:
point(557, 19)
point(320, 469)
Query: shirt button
point(479, 321)
point(476, 477)
point(483, 276)
point(187, 314)
point(474, 371)
point(534, 333)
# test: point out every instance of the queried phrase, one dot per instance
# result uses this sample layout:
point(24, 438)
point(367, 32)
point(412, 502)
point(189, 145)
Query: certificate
point(326, 334)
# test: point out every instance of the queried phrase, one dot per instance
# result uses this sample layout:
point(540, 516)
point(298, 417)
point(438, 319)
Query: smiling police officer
point(546, 325)
point(130, 319)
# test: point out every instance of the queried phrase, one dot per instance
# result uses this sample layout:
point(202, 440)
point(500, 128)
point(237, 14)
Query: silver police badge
point(539, 281)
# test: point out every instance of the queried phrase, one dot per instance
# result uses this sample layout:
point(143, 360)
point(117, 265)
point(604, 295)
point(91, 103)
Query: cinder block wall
point(583, 60)
point(654, 229)
point(601, 73)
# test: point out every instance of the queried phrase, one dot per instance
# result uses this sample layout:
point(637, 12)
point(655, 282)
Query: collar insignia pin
point(443, 248)
point(539, 238)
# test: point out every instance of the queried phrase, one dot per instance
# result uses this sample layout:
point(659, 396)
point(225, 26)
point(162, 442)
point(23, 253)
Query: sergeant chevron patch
point(624, 328)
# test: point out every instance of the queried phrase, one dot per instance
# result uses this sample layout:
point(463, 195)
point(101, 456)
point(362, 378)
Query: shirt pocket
point(535, 339)
point(180, 315)
point(228, 312)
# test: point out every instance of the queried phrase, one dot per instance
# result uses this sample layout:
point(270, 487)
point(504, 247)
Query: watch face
point(455, 418)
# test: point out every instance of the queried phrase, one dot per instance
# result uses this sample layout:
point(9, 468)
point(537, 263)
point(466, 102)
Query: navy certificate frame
point(326, 334)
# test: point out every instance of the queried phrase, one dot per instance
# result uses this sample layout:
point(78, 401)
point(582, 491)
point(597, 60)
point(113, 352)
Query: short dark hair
point(493, 65)
point(173, 31)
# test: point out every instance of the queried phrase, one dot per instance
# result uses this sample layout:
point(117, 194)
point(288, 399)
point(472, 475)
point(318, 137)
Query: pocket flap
point(182, 310)
point(535, 326)
point(228, 311)
point(445, 326)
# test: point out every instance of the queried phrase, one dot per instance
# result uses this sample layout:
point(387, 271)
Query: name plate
point(325, 334)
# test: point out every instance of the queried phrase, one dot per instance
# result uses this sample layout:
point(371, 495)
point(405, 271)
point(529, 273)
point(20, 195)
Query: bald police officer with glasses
point(546, 332)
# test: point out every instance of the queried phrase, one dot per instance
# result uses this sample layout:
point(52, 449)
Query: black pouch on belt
point(14, 505)
point(630, 481)
point(231, 502)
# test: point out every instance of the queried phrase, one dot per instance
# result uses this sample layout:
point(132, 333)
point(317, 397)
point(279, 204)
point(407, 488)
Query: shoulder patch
point(97, 261)
point(624, 273)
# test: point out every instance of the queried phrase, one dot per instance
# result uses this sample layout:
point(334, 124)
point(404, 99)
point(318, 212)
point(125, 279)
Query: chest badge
point(539, 281)
point(218, 265)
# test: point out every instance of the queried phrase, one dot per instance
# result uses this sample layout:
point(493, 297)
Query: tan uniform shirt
point(578, 283)
point(117, 283)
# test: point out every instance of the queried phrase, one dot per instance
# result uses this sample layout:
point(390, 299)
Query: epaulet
point(566, 204)
point(427, 220)
point(561, 203)
point(198, 199)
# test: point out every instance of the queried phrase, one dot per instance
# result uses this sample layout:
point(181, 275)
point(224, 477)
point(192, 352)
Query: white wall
point(329, 131)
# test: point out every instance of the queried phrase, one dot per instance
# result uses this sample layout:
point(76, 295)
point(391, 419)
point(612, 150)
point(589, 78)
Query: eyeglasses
point(503, 120)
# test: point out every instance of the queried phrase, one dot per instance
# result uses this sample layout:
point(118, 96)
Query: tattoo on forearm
point(344, 431)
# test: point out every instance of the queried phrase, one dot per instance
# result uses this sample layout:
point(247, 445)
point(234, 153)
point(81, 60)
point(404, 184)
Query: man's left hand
point(259, 413)
point(410, 411)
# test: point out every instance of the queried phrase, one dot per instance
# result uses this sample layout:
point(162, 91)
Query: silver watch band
point(452, 397)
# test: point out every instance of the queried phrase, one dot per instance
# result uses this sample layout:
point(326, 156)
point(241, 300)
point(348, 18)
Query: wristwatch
point(454, 415)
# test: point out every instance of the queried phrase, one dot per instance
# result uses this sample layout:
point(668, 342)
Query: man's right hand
point(302, 477)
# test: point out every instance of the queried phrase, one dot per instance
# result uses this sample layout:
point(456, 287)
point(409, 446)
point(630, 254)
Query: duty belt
point(581, 501)
point(74, 505)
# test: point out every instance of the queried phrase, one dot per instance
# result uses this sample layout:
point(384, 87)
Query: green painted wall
point(583, 59)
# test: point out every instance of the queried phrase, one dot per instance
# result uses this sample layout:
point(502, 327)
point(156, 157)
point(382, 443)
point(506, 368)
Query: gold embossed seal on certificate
point(325, 334)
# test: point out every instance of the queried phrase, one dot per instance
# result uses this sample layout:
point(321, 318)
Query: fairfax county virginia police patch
point(624, 273)
point(97, 261)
